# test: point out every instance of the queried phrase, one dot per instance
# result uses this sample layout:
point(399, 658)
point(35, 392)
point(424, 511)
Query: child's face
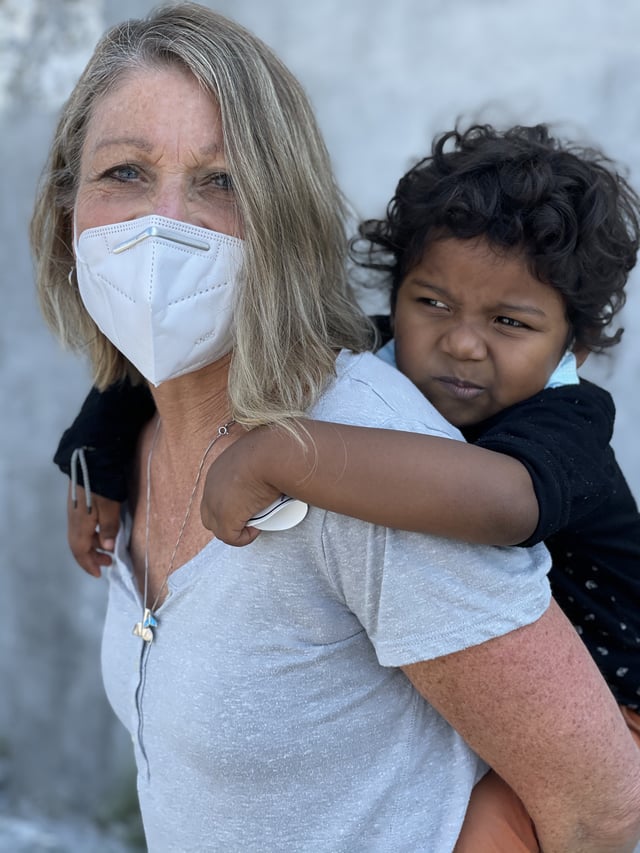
point(475, 331)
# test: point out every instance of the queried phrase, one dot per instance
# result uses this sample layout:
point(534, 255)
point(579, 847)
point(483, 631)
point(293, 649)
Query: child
point(507, 256)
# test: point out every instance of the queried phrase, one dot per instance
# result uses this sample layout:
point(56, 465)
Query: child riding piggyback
point(506, 255)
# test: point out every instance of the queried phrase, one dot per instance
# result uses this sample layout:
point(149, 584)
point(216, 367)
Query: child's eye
point(432, 303)
point(511, 322)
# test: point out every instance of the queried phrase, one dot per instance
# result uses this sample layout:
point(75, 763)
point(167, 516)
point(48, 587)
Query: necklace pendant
point(143, 629)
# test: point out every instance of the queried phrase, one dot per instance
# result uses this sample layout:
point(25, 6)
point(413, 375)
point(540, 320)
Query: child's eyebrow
point(521, 309)
point(423, 282)
point(531, 310)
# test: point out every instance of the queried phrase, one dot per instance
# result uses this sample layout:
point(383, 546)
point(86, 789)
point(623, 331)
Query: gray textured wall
point(384, 76)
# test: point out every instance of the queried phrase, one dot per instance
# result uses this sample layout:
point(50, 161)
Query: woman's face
point(154, 145)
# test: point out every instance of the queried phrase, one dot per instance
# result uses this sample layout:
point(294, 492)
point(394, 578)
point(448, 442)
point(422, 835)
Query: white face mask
point(162, 291)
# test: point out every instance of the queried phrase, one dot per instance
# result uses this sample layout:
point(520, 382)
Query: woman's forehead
point(156, 106)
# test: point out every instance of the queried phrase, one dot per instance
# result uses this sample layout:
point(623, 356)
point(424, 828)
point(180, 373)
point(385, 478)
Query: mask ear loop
point(75, 252)
point(78, 458)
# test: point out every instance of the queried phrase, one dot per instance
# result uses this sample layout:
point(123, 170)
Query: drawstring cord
point(78, 458)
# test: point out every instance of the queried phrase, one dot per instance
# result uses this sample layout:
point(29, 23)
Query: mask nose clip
point(164, 234)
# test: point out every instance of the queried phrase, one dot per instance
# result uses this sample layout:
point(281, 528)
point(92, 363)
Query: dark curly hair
point(566, 209)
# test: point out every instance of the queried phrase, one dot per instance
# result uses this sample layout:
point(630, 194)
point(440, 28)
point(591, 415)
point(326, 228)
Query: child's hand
point(234, 493)
point(83, 535)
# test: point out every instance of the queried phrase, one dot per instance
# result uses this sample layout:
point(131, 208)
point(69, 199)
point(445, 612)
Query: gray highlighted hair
point(295, 308)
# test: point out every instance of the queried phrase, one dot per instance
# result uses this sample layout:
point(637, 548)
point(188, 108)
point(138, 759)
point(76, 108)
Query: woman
point(290, 695)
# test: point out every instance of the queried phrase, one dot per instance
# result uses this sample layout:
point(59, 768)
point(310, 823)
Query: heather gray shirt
point(269, 714)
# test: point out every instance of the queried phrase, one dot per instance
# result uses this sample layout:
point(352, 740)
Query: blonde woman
point(336, 686)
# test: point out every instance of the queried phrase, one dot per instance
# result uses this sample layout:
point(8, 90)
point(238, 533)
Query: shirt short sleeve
point(562, 436)
point(419, 597)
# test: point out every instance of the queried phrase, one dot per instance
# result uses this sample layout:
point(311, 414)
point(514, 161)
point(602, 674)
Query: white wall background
point(384, 76)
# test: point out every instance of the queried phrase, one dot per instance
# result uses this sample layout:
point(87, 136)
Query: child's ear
point(581, 354)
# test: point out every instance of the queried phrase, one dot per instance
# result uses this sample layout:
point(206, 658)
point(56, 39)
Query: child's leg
point(496, 821)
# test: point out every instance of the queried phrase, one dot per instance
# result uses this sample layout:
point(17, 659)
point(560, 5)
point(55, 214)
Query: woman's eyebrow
point(134, 141)
point(212, 149)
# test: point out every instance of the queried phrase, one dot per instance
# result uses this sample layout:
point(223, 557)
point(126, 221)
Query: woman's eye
point(122, 173)
point(220, 181)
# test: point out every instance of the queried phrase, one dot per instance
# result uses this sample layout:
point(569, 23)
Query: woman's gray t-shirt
point(269, 714)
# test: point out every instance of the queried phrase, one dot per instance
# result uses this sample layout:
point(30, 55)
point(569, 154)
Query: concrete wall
point(384, 77)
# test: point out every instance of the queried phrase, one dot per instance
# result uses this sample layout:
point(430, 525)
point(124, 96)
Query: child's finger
point(238, 538)
point(108, 519)
point(81, 535)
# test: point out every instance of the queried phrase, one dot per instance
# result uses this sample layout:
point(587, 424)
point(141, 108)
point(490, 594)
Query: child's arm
point(396, 479)
point(543, 464)
point(106, 430)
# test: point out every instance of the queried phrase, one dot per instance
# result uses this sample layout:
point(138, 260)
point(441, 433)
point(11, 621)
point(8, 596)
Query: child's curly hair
point(566, 209)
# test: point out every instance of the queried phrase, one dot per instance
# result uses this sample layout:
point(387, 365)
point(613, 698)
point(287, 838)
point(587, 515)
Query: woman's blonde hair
point(294, 308)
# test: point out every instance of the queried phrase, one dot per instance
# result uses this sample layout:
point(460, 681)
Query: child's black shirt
point(588, 519)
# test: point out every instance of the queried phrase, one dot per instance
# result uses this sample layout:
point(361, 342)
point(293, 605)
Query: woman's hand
point(235, 490)
point(91, 533)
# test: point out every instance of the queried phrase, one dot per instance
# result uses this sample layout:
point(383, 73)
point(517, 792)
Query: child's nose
point(463, 342)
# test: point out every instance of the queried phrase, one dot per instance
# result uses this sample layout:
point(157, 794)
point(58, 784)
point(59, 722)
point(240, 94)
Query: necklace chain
point(144, 628)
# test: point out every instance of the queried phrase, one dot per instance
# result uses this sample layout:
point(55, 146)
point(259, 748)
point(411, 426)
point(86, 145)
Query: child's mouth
point(461, 389)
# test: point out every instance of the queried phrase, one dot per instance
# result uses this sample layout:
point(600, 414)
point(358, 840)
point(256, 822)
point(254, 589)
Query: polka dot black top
point(588, 519)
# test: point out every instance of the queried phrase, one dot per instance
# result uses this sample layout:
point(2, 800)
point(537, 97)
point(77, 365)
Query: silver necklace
point(144, 628)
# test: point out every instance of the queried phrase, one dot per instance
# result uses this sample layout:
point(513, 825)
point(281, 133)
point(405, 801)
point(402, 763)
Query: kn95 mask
point(162, 291)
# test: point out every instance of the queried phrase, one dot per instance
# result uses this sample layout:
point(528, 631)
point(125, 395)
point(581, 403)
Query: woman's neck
point(176, 448)
point(192, 407)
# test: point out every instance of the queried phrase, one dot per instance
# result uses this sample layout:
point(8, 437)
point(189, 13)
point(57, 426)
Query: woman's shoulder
point(368, 392)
